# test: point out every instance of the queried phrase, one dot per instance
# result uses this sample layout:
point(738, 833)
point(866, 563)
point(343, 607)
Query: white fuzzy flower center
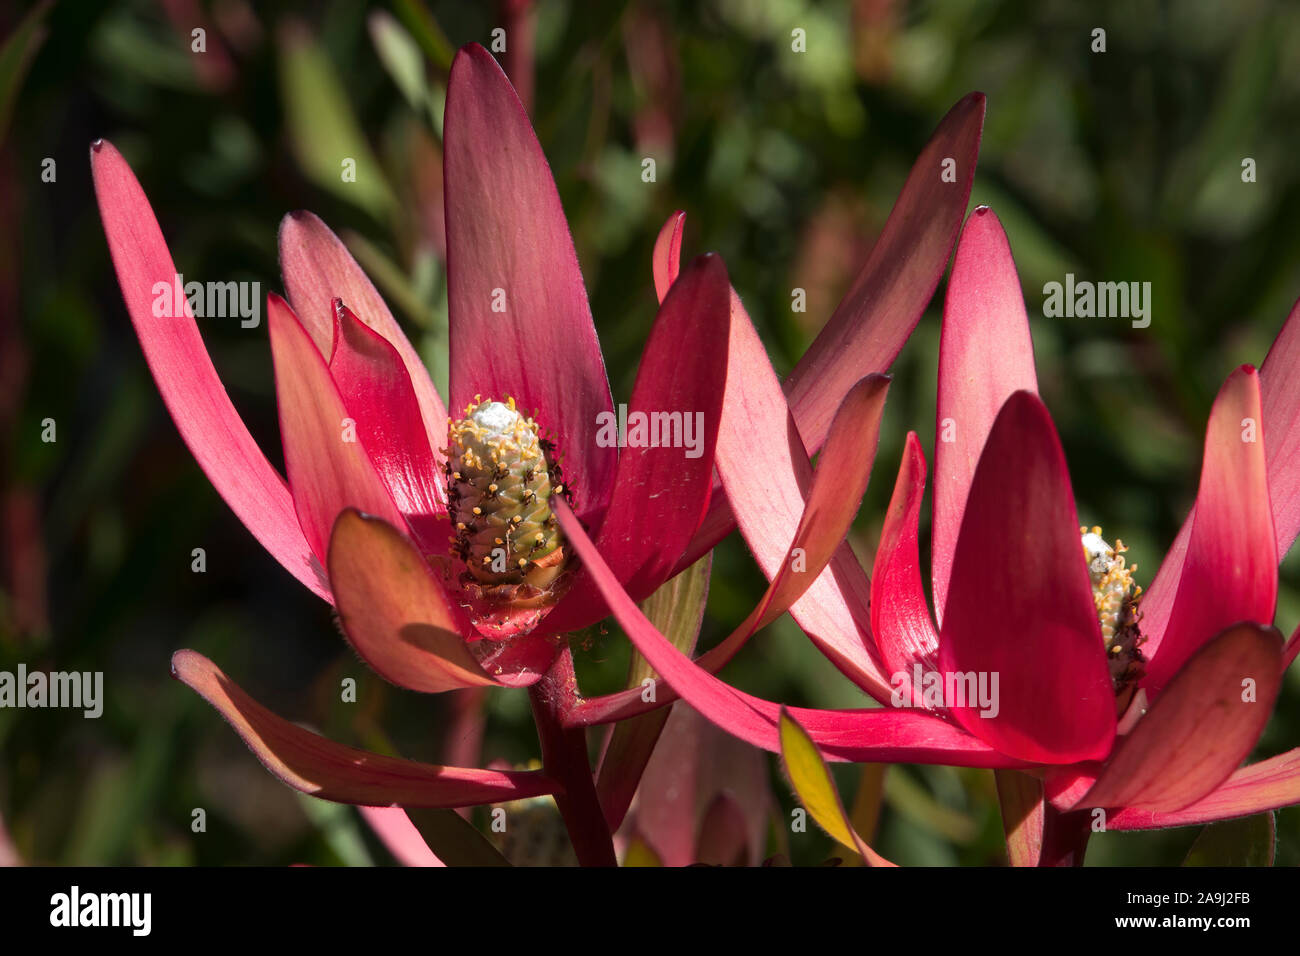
point(495, 418)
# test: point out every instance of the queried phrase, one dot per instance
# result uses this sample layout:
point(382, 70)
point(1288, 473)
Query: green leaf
point(323, 129)
point(339, 828)
point(915, 802)
point(401, 57)
point(424, 28)
point(1249, 841)
point(118, 800)
point(677, 611)
point(16, 56)
point(455, 840)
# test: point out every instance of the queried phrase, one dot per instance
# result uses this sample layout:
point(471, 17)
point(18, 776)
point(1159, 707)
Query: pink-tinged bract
point(1020, 604)
point(1229, 573)
point(985, 354)
point(520, 322)
point(185, 376)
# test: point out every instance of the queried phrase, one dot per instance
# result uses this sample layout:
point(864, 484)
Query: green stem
point(564, 757)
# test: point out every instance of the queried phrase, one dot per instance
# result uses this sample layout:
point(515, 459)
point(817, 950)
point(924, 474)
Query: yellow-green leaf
point(814, 784)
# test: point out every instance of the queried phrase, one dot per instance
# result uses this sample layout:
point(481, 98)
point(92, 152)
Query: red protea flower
point(436, 537)
point(1144, 706)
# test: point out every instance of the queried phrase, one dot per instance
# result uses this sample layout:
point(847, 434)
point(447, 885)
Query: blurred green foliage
point(1121, 165)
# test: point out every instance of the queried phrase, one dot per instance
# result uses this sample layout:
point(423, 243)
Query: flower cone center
point(1116, 596)
point(500, 484)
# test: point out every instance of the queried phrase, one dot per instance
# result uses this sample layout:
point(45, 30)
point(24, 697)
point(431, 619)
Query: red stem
point(564, 757)
point(1065, 836)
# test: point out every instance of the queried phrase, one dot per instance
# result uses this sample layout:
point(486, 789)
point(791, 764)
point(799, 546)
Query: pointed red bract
point(1200, 729)
point(1229, 573)
point(329, 469)
point(185, 376)
point(520, 324)
point(661, 493)
point(900, 615)
point(318, 269)
point(1020, 602)
point(322, 768)
point(376, 390)
point(895, 284)
point(1279, 387)
point(837, 489)
point(888, 296)
point(668, 253)
point(985, 354)
point(1280, 404)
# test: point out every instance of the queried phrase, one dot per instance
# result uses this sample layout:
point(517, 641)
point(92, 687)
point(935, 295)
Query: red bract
point(1013, 590)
